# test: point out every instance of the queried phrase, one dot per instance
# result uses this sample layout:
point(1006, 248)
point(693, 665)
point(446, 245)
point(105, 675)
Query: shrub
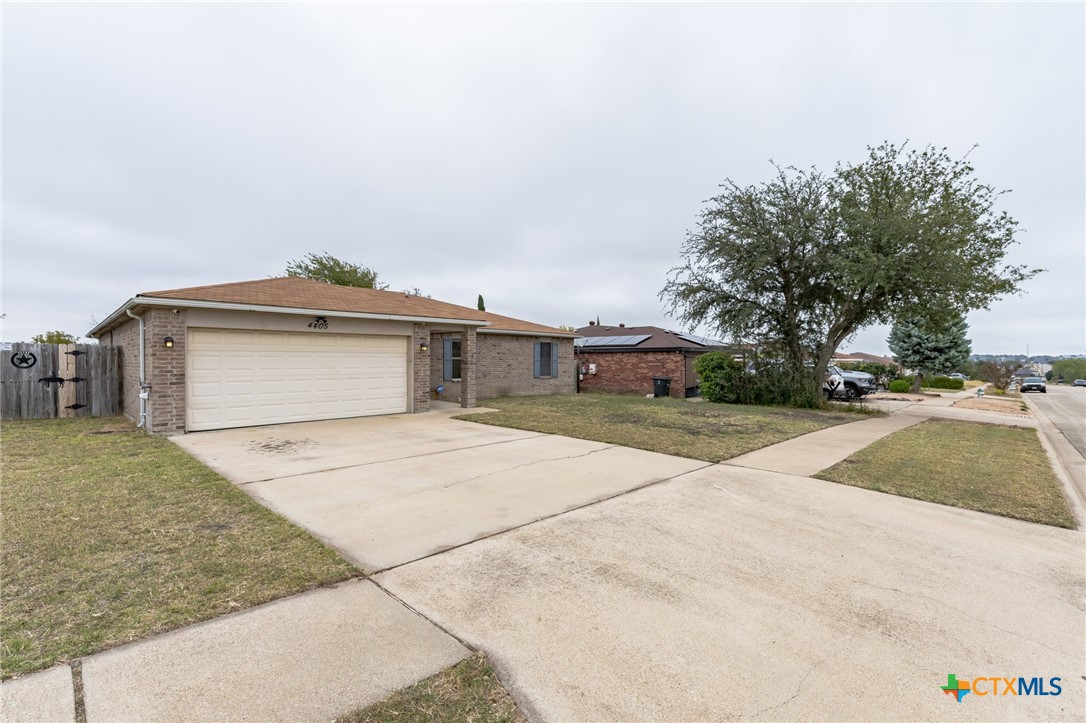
point(899, 385)
point(721, 377)
point(726, 380)
point(944, 383)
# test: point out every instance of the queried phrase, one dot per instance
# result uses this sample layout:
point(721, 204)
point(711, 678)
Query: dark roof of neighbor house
point(1026, 372)
point(292, 292)
point(640, 338)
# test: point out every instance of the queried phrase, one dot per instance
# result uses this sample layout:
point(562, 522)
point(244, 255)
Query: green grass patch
point(699, 430)
point(468, 691)
point(111, 535)
point(983, 467)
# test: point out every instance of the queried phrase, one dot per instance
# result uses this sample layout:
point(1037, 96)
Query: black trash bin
point(661, 386)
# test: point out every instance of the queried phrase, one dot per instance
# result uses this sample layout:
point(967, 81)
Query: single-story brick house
point(291, 349)
point(625, 359)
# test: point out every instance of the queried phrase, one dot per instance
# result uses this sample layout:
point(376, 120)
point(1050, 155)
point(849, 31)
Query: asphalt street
point(1066, 407)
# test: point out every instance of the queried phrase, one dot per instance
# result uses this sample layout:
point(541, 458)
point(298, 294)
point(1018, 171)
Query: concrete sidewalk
point(814, 452)
point(310, 657)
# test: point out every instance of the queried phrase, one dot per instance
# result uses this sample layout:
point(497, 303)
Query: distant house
point(859, 357)
point(625, 359)
point(1023, 372)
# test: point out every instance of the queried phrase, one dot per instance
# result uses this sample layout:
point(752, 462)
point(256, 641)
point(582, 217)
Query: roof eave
point(519, 332)
point(151, 301)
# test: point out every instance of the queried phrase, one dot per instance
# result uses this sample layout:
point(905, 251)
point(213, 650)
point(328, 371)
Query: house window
point(546, 359)
point(452, 359)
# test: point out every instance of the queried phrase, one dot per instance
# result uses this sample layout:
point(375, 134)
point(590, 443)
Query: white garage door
point(244, 378)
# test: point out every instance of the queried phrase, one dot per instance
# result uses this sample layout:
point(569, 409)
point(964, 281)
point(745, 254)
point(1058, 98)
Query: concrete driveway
point(733, 593)
point(388, 490)
point(721, 592)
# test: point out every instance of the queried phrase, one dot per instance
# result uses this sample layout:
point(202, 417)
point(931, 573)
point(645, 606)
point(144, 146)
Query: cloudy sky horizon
point(549, 156)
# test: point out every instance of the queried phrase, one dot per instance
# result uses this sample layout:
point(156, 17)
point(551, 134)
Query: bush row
point(929, 382)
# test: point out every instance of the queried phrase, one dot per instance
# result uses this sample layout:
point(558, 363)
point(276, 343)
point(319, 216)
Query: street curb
point(1050, 437)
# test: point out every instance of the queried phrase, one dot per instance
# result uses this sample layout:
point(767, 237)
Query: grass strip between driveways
point(111, 535)
point(983, 467)
point(468, 691)
point(698, 430)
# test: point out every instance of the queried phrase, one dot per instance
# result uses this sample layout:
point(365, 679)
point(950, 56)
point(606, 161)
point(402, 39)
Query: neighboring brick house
point(290, 350)
point(625, 359)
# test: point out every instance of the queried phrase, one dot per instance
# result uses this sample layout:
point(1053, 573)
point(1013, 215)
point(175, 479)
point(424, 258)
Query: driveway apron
point(386, 491)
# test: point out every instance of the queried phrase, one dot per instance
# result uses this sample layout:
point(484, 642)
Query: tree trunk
point(917, 378)
point(821, 363)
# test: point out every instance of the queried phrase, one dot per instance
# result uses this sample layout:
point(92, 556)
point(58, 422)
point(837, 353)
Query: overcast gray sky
point(548, 156)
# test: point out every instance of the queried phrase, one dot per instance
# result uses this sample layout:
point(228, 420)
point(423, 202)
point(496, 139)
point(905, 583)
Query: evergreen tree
point(930, 346)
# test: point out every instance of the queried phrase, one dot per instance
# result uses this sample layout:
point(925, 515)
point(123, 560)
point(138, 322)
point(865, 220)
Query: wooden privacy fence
point(44, 381)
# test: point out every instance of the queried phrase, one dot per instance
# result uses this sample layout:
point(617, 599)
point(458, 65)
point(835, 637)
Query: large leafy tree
point(802, 262)
point(327, 268)
point(54, 337)
point(1070, 369)
point(930, 346)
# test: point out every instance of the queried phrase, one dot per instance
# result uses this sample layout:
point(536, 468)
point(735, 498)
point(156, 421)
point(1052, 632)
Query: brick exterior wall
point(632, 372)
point(166, 369)
point(420, 367)
point(504, 367)
point(468, 367)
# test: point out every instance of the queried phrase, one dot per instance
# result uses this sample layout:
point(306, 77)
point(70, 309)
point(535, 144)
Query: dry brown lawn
point(699, 430)
point(983, 467)
point(111, 535)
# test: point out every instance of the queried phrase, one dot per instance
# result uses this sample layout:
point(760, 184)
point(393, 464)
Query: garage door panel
point(207, 364)
point(242, 378)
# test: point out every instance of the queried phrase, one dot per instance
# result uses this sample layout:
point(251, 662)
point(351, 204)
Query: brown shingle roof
point(507, 323)
point(296, 292)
